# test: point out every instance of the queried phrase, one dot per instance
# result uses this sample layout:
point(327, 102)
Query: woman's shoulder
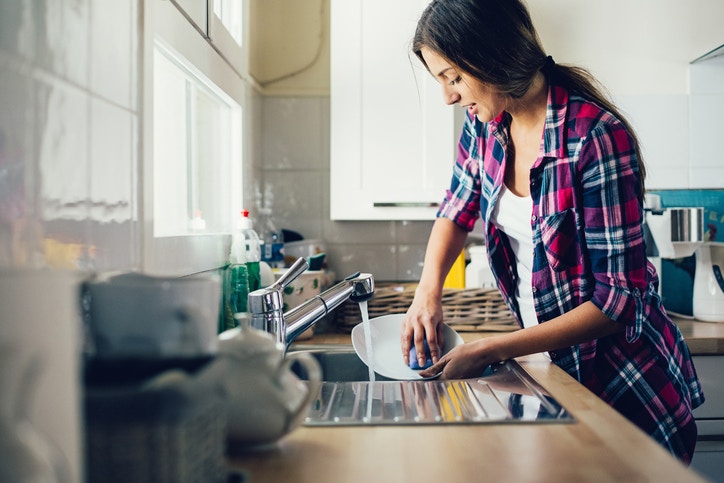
point(586, 116)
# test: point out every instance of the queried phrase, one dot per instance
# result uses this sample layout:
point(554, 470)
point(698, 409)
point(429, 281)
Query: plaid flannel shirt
point(587, 223)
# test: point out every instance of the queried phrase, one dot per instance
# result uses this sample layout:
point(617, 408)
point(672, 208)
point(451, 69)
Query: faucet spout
point(266, 304)
point(358, 288)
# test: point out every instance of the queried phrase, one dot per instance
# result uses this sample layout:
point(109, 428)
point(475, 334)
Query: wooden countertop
point(600, 446)
point(703, 338)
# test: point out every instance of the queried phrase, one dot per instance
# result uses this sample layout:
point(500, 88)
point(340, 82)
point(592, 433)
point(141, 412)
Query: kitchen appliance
point(679, 233)
point(708, 303)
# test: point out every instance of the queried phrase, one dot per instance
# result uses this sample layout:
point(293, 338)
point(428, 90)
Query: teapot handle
point(311, 367)
point(193, 338)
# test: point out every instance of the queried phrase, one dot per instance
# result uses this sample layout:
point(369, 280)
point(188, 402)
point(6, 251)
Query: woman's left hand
point(464, 361)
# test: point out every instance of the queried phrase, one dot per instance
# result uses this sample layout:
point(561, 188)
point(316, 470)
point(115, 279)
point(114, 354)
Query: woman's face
point(460, 88)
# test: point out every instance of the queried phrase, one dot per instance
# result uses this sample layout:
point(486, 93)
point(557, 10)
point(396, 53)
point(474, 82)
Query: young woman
point(555, 172)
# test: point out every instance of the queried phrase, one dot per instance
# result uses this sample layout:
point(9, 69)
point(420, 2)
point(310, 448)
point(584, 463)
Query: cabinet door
point(392, 136)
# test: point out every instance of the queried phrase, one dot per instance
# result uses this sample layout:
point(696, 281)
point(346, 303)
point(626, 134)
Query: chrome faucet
point(266, 304)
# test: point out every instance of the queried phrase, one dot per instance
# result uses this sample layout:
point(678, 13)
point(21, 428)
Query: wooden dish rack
point(466, 310)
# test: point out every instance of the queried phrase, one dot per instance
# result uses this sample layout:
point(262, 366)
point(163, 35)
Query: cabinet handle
point(405, 204)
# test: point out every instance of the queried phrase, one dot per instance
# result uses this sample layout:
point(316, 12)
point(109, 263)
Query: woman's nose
point(450, 96)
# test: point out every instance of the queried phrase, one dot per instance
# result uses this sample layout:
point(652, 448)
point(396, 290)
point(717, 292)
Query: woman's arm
point(424, 317)
point(584, 323)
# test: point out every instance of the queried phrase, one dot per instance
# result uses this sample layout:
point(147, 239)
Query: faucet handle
point(297, 268)
point(268, 300)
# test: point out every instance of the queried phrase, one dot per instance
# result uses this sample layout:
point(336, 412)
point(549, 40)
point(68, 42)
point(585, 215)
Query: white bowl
point(386, 354)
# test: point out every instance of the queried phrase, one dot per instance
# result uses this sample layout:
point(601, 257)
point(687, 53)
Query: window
point(194, 103)
point(231, 15)
point(196, 144)
point(226, 31)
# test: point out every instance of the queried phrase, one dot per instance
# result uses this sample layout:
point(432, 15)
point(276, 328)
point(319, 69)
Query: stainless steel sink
point(339, 363)
point(505, 393)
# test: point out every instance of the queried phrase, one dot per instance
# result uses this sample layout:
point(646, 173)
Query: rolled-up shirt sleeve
point(613, 224)
point(462, 200)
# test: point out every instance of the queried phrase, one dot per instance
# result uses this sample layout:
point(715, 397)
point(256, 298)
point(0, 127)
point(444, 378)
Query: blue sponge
point(413, 358)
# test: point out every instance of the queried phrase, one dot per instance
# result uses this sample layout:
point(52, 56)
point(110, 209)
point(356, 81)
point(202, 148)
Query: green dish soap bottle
point(251, 245)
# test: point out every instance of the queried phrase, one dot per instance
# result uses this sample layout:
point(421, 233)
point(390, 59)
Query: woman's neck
point(528, 115)
point(528, 112)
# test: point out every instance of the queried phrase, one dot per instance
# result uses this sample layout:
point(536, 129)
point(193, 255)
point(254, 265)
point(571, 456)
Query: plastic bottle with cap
point(248, 249)
point(478, 273)
point(456, 276)
point(235, 288)
point(242, 274)
point(272, 240)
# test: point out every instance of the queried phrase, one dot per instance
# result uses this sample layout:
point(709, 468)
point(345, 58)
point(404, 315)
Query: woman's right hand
point(423, 321)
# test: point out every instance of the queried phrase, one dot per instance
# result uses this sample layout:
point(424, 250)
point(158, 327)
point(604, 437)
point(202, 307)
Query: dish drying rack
point(466, 310)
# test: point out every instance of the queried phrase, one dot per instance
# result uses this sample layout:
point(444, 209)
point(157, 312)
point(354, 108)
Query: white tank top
point(512, 216)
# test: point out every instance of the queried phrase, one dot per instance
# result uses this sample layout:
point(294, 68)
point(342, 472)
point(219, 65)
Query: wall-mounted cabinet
point(392, 136)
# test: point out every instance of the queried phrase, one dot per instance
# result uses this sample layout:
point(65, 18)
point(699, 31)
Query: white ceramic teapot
point(265, 398)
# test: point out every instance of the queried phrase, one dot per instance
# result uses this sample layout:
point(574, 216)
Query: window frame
point(193, 252)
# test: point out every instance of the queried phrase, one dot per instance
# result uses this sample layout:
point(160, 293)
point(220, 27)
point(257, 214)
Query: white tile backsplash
point(113, 177)
point(705, 77)
point(667, 178)
point(67, 44)
point(61, 131)
point(707, 178)
point(707, 131)
point(69, 133)
point(112, 33)
point(661, 123)
point(379, 260)
point(413, 232)
point(298, 202)
point(706, 124)
point(294, 133)
point(409, 261)
point(111, 169)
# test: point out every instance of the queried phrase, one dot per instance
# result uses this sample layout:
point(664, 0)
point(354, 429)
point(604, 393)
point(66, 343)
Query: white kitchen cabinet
point(392, 137)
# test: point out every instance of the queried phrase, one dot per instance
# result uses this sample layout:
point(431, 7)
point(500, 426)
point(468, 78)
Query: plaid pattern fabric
point(587, 223)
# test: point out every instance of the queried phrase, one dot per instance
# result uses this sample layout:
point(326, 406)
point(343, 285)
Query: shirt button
point(637, 292)
point(553, 355)
point(535, 289)
point(533, 217)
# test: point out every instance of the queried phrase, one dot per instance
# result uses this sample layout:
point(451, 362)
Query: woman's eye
point(455, 81)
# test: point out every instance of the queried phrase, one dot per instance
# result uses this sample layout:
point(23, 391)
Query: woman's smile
point(460, 88)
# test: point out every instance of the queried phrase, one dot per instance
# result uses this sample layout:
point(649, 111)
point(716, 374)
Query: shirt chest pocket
point(559, 235)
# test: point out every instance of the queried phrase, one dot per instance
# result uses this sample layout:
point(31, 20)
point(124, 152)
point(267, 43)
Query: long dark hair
point(495, 42)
